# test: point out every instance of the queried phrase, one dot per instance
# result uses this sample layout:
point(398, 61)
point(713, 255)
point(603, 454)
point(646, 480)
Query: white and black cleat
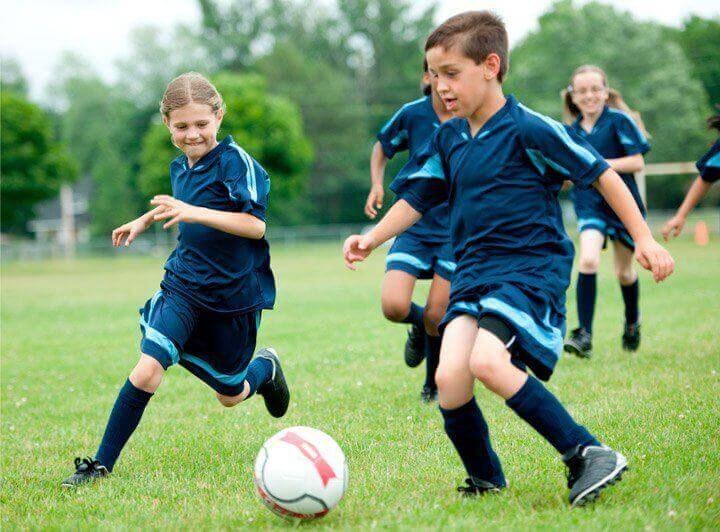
point(591, 469)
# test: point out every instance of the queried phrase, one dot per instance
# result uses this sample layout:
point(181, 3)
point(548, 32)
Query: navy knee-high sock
point(258, 373)
point(124, 418)
point(631, 295)
point(415, 316)
point(540, 408)
point(432, 358)
point(467, 429)
point(586, 294)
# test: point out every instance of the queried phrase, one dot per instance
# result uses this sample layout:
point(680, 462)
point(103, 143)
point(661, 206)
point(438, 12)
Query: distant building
point(66, 218)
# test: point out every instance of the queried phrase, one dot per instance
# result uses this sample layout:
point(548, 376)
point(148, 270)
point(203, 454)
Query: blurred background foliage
point(308, 85)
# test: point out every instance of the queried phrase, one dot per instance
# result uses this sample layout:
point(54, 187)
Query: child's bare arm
point(378, 161)
point(234, 223)
point(651, 255)
point(627, 164)
point(398, 219)
point(675, 225)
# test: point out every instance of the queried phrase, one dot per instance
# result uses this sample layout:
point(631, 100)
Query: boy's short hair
point(477, 35)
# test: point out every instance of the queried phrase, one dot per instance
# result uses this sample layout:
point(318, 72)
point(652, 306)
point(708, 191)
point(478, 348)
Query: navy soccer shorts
point(214, 347)
point(420, 259)
point(593, 213)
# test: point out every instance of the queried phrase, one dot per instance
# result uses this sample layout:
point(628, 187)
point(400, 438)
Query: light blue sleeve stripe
point(229, 380)
point(250, 174)
point(591, 222)
point(407, 259)
point(714, 161)
point(398, 113)
point(431, 169)
point(545, 334)
point(562, 133)
point(541, 163)
point(628, 141)
point(399, 138)
point(471, 308)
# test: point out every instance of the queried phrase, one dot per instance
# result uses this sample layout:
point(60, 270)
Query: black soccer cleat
point(86, 470)
point(415, 346)
point(275, 392)
point(591, 469)
point(475, 486)
point(631, 336)
point(428, 394)
point(579, 343)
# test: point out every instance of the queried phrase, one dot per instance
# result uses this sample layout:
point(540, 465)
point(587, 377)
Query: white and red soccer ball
point(301, 473)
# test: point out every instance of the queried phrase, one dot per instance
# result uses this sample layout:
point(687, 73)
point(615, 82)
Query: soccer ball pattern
point(301, 473)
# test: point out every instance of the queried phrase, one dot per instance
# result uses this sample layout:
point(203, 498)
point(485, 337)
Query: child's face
point(194, 128)
point(589, 92)
point(459, 81)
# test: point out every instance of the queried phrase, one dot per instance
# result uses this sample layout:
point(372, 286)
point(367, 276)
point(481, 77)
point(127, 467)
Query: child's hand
point(652, 256)
point(178, 211)
point(356, 249)
point(128, 232)
point(374, 201)
point(673, 227)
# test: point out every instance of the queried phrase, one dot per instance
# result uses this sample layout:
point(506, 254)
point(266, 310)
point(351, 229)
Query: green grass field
point(70, 337)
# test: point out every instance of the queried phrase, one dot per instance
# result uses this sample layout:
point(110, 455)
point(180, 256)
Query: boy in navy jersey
point(709, 167)
point(501, 165)
point(217, 280)
point(421, 252)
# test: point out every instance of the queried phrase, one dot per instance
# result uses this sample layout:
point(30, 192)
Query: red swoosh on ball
point(311, 453)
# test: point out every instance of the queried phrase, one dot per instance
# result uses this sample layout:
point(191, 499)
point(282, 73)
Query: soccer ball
point(301, 473)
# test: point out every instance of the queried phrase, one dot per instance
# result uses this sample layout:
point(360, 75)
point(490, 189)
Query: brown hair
point(190, 87)
point(615, 99)
point(477, 33)
point(426, 87)
point(713, 122)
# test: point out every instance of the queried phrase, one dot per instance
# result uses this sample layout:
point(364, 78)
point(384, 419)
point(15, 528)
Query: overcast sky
point(36, 33)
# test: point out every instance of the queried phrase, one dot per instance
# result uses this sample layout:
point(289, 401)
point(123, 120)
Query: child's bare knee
point(395, 310)
point(589, 263)
point(147, 374)
point(626, 275)
point(229, 400)
point(432, 316)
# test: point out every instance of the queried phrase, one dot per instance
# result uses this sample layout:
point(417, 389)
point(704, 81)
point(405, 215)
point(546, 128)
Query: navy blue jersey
point(614, 135)
point(216, 270)
point(409, 129)
point(502, 185)
point(709, 164)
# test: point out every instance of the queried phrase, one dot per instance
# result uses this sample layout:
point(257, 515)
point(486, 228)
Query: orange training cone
point(701, 234)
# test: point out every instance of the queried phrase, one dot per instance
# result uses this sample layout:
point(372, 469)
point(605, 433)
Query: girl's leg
point(128, 409)
point(490, 363)
point(591, 242)
point(464, 422)
point(435, 308)
point(628, 278)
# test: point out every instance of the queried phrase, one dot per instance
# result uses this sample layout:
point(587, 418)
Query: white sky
point(36, 33)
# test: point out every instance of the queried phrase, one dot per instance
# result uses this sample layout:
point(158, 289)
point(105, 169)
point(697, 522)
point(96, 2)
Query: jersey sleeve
point(630, 135)
point(557, 152)
point(393, 136)
point(423, 181)
point(246, 181)
point(709, 164)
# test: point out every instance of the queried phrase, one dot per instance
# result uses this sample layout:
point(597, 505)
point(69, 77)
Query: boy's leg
point(464, 422)
point(435, 308)
point(398, 307)
point(591, 243)
point(630, 288)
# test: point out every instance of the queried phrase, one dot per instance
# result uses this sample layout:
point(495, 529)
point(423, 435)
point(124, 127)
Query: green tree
point(33, 163)
point(700, 39)
point(269, 127)
point(649, 69)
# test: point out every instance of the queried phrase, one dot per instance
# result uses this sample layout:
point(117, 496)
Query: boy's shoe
point(475, 486)
point(579, 343)
point(415, 346)
point(631, 336)
point(86, 470)
point(591, 469)
point(428, 394)
point(275, 392)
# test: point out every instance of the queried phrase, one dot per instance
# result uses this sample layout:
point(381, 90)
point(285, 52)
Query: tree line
point(308, 85)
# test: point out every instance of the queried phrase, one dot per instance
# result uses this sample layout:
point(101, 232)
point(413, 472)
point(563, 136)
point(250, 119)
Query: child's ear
point(219, 114)
point(166, 121)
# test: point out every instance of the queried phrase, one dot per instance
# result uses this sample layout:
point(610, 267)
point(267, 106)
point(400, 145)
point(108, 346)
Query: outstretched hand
point(374, 201)
point(652, 256)
point(673, 227)
point(356, 249)
point(178, 211)
point(127, 232)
